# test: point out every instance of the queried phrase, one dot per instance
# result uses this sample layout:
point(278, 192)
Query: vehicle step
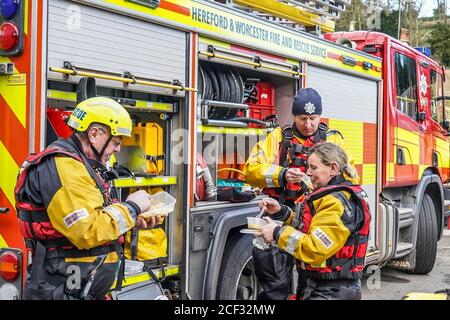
point(447, 192)
point(403, 249)
point(446, 205)
point(405, 217)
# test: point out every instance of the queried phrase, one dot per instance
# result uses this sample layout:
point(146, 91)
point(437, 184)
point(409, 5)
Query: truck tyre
point(426, 245)
point(237, 279)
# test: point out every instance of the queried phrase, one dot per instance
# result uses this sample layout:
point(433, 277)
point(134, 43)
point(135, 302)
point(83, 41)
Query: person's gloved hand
point(141, 199)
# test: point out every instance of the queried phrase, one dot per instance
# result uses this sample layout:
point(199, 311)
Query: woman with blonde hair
point(328, 230)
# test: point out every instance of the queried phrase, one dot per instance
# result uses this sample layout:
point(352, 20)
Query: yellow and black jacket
point(328, 231)
point(267, 164)
point(67, 208)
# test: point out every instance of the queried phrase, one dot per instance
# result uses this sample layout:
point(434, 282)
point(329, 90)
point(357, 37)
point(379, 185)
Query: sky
point(428, 6)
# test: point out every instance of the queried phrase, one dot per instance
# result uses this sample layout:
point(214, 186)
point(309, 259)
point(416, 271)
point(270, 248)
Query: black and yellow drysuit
point(71, 224)
point(328, 235)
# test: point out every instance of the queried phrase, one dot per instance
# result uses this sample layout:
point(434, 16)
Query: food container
point(162, 203)
point(257, 223)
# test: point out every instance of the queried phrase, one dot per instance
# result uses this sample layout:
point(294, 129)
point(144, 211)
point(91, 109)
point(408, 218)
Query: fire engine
point(204, 82)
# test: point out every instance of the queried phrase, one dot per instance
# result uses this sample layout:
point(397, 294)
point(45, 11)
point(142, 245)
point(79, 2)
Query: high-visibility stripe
point(129, 280)
point(292, 240)
point(442, 148)
point(215, 43)
point(141, 104)
point(16, 97)
point(406, 173)
point(9, 171)
point(370, 136)
point(26, 15)
point(410, 142)
point(369, 174)
point(3, 243)
point(62, 95)
point(269, 174)
point(390, 174)
point(168, 5)
point(117, 214)
point(352, 132)
point(12, 133)
point(174, 6)
point(226, 130)
point(421, 170)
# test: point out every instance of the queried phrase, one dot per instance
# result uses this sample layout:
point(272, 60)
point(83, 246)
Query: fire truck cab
point(414, 148)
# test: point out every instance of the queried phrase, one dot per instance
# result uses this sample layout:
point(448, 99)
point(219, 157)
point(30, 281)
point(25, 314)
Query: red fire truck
point(184, 67)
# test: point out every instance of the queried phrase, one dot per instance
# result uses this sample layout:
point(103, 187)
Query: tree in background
point(353, 17)
point(439, 40)
point(389, 22)
point(440, 13)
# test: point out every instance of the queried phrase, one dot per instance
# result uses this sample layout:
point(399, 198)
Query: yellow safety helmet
point(101, 110)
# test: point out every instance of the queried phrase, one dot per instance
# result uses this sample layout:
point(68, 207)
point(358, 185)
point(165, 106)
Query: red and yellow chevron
point(418, 146)
point(15, 124)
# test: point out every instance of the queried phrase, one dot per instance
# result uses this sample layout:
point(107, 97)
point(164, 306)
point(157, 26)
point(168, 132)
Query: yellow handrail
point(250, 63)
point(121, 79)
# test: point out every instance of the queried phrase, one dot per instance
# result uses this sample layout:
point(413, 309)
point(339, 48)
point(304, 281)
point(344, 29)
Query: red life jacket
point(294, 154)
point(348, 262)
point(34, 222)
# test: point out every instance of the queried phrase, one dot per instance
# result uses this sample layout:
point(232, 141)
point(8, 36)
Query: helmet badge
point(310, 108)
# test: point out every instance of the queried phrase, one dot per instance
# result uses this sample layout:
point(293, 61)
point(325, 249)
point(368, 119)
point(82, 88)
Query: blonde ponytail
point(350, 171)
point(329, 153)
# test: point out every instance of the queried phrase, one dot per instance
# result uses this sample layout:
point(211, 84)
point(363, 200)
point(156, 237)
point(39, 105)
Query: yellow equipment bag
point(146, 244)
point(149, 138)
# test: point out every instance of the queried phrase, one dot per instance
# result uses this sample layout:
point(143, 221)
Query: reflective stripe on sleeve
point(116, 213)
point(269, 174)
point(292, 241)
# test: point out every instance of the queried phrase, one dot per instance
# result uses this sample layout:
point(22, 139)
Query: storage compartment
point(226, 136)
point(225, 147)
point(243, 95)
point(143, 152)
point(237, 95)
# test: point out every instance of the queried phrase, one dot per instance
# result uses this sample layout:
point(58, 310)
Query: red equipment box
point(259, 112)
point(266, 94)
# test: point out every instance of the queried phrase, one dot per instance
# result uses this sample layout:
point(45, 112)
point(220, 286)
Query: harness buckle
point(297, 220)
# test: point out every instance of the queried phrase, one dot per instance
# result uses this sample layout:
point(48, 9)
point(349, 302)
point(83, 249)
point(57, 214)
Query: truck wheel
point(237, 279)
point(426, 246)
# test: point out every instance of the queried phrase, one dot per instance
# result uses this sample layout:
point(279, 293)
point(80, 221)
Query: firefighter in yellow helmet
point(278, 165)
point(68, 213)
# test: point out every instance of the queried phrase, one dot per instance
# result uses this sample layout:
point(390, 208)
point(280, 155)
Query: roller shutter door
point(344, 96)
point(103, 41)
point(350, 104)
